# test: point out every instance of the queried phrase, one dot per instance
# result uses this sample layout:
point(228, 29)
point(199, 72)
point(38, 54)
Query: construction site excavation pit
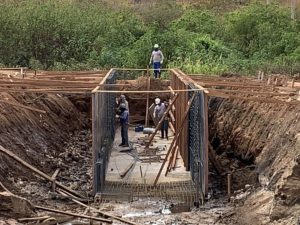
point(230, 160)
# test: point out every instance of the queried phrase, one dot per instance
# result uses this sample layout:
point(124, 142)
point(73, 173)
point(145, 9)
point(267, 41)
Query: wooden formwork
point(184, 87)
point(180, 81)
point(178, 84)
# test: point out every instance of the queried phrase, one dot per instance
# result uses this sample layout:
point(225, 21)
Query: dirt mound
point(14, 206)
point(40, 139)
point(266, 135)
point(137, 101)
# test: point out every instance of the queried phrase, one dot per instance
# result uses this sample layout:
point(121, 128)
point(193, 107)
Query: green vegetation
point(75, 35)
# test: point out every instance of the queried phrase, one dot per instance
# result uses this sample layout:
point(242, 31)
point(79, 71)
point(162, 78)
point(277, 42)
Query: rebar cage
point(193, 140)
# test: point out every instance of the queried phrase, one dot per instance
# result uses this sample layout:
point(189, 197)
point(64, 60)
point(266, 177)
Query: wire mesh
point(104, 127)
point(197, 139)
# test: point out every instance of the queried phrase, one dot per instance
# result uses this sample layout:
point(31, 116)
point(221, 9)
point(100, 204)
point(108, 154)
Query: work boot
point(121, 144)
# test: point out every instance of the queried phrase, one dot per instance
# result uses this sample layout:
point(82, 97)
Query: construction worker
point(122, 99)
point(157, 59)
point(158, 113)
point(124, 120)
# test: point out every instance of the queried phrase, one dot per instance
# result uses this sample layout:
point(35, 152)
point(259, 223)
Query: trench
point(231, 124)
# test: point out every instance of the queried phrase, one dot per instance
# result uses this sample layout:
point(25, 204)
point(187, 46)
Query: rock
point(13, 206)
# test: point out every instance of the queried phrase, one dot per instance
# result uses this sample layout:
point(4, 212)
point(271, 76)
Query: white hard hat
point(157, 101)
point(156, 46)
point(122, 106)
point(122, 97)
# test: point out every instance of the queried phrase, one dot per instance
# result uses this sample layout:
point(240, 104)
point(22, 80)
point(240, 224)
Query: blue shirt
point(124, 117)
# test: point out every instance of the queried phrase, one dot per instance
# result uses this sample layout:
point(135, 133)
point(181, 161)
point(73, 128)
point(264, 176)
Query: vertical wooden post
point(147, 103)
point(206, 138)
point(54, 179)
point(229, 185)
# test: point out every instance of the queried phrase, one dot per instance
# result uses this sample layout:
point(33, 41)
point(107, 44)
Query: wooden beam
point(172, 160)
point(54, 179)
point(72, 214)
point(160, 121)
point(172, 127)
point(99, 211)
point(33, 219)
point(139, 92)
point(174, 141)
point(23, 106)
point(147, 101)
point(127, 169)
point(36, 171)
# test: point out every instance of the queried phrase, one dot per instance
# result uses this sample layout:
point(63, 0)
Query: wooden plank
point(160, 122)
point(36, 171)
point(72, 214)
point(172, 127)
point(206, 139)
point(172, 160)
point(33, 219)
point(172, 116)
point(23, 106)
point(147, 101)
point(139, 92)
point(99, 211)
point(176, 138)
point(61, 91)
point(127, 169)
point(54, 179)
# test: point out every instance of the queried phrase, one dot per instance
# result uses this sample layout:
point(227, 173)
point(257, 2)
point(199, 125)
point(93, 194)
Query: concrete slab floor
point(142, 172)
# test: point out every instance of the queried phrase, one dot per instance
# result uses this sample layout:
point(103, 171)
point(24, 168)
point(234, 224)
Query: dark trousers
point(164, 128)
point(156, 67)
point(124, 133)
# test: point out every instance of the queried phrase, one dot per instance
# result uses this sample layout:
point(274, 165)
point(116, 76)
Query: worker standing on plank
point(158, 113)
point(157, 59)
point(124, 120)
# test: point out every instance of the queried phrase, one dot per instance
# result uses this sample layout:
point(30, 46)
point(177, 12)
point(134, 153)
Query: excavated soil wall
point(39, 138)
point(268, 136)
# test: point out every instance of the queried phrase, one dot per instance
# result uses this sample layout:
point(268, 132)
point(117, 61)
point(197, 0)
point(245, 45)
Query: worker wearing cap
point(124, 120)
point(122, 99)
point(157, 59)
point(158, 113)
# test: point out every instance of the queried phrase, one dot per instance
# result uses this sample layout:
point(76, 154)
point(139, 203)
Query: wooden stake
point(23, 106)
point(73, 214)
point(147, 103)
point(35, 170)
point(229, 185)
point(54, 179)
point(99, 211)
point(160, 121)
point(176, 138)
point(33, 219)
